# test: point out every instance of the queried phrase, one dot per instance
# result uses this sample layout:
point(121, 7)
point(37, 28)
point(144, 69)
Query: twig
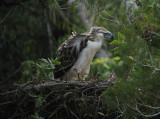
point(150, 66)
point(148, 106)
point(73, 113)
point(62, 14)
point(99, 15)
point(112, 17)
point(68, 4)
point(155, 33)
point(7, 15)
point(109, 15)
point(149, 54)
point(58, 85)
point(8, 102)
point(108, 19)
point(144, 115)
point(119, 107)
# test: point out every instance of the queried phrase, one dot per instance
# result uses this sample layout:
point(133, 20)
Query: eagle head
point(101, 33)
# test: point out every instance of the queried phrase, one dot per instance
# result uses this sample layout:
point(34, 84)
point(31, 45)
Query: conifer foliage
point(136, 91)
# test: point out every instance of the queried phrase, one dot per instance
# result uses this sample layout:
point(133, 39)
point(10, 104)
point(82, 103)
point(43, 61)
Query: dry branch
point(62, 85)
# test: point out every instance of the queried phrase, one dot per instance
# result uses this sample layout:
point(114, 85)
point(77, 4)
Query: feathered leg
point(77, 72)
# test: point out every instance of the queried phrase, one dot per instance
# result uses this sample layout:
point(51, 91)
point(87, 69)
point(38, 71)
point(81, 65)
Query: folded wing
point(68, 52)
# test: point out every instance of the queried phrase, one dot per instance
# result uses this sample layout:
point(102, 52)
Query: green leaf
point(56, 62)
point(36, 116)
point(54, 112)
point(38, 102)
point(38, 65)
point(115, 50)
point(52, 60)
point(106, 66)
point(74, 4)
point(52, 66)
point(121, 38)
point(97, 61)
point(49, 61)
point(131, 58)
point(48, 68)
point(43, 60)
point(33, 95)
point(114, 42)
point(101, 113)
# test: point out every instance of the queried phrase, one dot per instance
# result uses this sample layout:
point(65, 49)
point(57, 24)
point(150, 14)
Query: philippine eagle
point(76, 53)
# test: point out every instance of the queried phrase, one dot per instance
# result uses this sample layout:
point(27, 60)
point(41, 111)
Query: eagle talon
point(78, 73)
point(78, 78)
point(83, 80)
point(77, 70)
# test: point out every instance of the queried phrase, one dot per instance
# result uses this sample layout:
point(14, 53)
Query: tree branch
point(6, 15)
point(59, 85)
point(145, 115)
point(11, 2)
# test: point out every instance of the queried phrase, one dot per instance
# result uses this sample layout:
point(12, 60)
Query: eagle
point(77, 53)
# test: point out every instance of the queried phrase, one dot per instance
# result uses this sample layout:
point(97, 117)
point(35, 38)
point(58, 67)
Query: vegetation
point(31, 31)
point(136, 91)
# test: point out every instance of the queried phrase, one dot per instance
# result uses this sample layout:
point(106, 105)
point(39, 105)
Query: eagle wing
point(68, 52)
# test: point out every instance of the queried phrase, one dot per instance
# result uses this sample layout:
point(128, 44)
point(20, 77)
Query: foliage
point(103, 67)
point(36, 116)
point(136, 91)
point(24, 33)
point(38, 70)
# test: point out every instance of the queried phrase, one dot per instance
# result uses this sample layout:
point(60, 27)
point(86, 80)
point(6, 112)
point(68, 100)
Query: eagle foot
point(77, 70)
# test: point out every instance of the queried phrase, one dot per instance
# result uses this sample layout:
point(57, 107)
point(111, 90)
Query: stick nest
point(58, 100)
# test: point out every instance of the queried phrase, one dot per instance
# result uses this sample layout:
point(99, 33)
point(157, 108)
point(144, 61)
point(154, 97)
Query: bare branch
point(155, 33)
point(150, 66)
point(144, 115)
point(73, 113)
point(148, 106)
point(109, 14)
point(108, 19)
point(5, 103)
point(105, 18)
point(6, 15)
point(112, 16)
point(59, 85)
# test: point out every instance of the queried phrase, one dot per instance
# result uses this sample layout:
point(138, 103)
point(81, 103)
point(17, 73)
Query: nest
point(58, 100)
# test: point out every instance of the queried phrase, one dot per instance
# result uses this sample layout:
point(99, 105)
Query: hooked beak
point(109, 36)
point(112, 37)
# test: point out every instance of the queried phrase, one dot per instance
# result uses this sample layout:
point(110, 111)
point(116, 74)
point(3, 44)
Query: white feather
point(82, 65)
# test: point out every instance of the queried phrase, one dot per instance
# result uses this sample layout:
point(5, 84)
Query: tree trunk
point(50, 36)
point(131, 6)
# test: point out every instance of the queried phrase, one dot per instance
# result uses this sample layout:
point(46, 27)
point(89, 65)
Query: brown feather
point(69, 51)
